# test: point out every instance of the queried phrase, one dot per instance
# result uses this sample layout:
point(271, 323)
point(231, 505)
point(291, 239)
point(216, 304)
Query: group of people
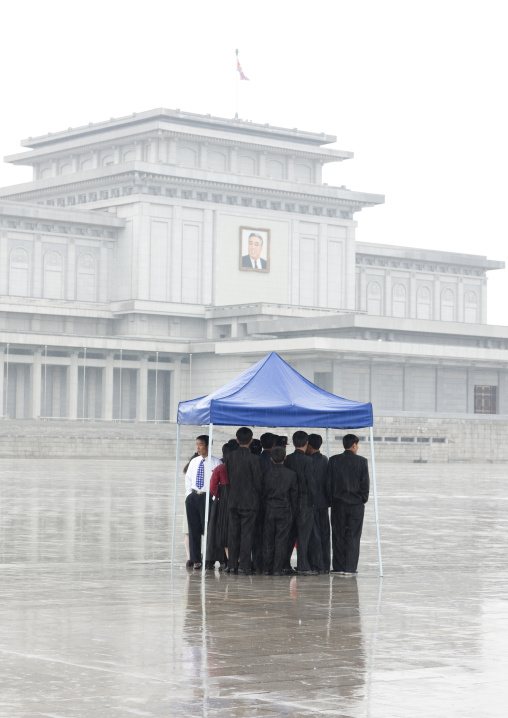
point(265, 502)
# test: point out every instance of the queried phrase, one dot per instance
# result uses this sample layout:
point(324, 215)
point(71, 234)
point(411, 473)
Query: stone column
point(233, 155)
point(363, 290)
point(262, 164)
point(337, 377)
point(54, 168)
point(175, 389)
point(107, 388)
point(437, 298)
point(322, 273)
point(37, 267)
point(75, 163)
point(4, 263)
point(71, 270)
point(142, 389)
point(35, 385)
point(388, 295)
point(290, 168)
point(470, 391)
point(172, 151)
point(203, 155)
point(412, 295)
point(460, 300)
point(95, 159)
point(176, 255)
point(483, 302)
point(19, 371)
point(139, 151)
point(318, 172)
point(293, 256)
point(2, 372)
point(117, 154)
point(72, 387)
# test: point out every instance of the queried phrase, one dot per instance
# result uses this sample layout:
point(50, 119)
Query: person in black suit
point(244, 475)
point(319, 547)
point(347, 486)
point(304, 519)
point(254, 260)
point(280, 498)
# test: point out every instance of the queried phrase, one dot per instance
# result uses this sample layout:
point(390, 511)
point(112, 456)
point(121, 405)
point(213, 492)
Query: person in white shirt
point(197, 483)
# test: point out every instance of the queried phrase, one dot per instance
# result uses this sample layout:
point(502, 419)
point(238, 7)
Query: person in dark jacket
point(347, 485)
point(319, 547)
point(267, 442)
point(244, 474)
point(280, 498)
point(304, 520)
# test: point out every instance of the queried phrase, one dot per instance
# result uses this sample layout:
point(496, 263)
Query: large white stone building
point(126, 284)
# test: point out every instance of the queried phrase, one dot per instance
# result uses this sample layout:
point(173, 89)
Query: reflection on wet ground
point(94, 621)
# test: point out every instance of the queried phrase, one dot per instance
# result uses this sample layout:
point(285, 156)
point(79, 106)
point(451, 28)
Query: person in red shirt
point(219, 487)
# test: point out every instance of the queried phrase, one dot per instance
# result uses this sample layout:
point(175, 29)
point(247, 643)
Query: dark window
point(485, 399)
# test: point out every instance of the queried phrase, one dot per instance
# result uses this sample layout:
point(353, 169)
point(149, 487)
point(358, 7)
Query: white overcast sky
point(417, 90)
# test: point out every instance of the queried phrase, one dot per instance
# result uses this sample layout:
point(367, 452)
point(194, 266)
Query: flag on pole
point(239, 68)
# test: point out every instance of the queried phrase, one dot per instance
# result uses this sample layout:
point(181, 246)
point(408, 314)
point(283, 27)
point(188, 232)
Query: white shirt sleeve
point(190, 476)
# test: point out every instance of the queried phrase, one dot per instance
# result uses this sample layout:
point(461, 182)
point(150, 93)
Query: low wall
point(397, 439)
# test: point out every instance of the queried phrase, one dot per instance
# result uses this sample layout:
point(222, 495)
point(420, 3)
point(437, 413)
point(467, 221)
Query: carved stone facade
point(125, 287)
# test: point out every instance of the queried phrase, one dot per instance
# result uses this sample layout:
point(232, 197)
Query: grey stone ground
point(94, 622)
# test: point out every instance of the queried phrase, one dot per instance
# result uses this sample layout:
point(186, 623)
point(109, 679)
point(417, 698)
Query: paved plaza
point(95, 622)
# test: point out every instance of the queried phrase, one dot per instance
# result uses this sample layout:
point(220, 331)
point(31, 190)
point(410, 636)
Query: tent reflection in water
point(271, 393)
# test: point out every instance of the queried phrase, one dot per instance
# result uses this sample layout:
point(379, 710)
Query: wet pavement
point(95, 622)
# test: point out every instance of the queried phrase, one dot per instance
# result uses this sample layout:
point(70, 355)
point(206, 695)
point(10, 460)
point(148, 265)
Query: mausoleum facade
point(153, 257)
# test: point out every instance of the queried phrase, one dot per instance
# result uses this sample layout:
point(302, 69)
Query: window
point(217, 198)
point(261, 203)
point(217, 161)
point(471, 307)
point(18, 272)
point(374, 297)
point(485, 399)
point(86, 278)
point(202, 196)
point(246, 202)
point(447, 305)
point(331, 212)
point(423, 303)
point(53, 275)
point(398, 300)
point(186, 194)
point(275, 205)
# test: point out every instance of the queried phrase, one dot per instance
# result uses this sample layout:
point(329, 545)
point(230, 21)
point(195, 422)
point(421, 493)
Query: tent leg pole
point(176, 492)
point(207, 503)
point(328, 442)
point(375, 500)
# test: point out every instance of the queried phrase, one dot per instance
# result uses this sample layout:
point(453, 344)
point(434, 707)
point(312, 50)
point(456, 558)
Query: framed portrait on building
point(254, 249)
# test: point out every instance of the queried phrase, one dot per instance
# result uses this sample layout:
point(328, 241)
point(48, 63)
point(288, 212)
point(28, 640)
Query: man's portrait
point(254, 249)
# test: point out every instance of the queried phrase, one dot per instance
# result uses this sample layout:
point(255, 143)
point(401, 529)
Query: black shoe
point(278, 573)
point(267, 573)
point(289, 571)
point(210, 565)
point(197, 566)
point(189, 564)
point(244, 572)
point(307, 573)
point(223, 567)
point(339, 572)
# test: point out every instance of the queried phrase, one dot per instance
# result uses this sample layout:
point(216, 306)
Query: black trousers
point(301, 532)
point(347, 523)
point(277, 526)
point(242, 523)
point(257, 541)
point(195, 505)
point(319, 545)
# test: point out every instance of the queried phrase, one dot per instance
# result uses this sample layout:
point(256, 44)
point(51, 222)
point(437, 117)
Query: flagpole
point(236, 86)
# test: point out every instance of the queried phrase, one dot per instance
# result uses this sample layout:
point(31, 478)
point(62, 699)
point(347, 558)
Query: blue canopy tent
point(271, 393)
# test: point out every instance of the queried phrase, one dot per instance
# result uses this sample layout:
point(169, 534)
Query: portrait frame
point(245, 264)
